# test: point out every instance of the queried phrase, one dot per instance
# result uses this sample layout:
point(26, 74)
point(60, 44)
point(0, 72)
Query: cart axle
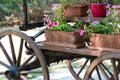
point(12, 73)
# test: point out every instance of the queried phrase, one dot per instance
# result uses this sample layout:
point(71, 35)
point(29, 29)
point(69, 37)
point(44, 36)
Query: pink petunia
point(55, 23)
point(50, 24)
point(87, 19)
point(107, 12)
point(46, 18)
point(81, 32)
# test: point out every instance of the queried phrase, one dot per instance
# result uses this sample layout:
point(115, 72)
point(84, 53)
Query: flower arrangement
point(61, 33)
point(60, 24)
point(109, 25)
point(104, 35)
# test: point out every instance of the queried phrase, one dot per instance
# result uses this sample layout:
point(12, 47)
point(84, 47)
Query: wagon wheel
point(14, 60)
point(77, 67)
point(106, 67)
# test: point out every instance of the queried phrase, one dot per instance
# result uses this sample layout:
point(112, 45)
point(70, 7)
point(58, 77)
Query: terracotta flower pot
point(105, 41)
point(65, 39)
point(98, 10)
point(76, 11)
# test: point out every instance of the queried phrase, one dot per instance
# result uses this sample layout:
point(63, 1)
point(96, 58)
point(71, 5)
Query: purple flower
point(109, 6)
point(50, 25)
point(107, 12)
point(94, 23)
point(87, 19)
point(81, 32)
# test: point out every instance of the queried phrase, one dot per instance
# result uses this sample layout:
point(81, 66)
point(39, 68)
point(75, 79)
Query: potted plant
point(105, 34)
point(60, 33)
point(98, 8)
point(74, 8)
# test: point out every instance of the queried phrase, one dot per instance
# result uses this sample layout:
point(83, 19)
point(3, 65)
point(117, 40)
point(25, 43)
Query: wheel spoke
point(2, 73)
point(106, 69)
point(12, 49)
point(83, 66)
point(114, 70)
point(118, 66)
point(4, 64)
point(23, 65)
point(14, 60)
point(31, 72)
point(6, 54)
point(20, 53)
point(98, 73)
point(103, 72)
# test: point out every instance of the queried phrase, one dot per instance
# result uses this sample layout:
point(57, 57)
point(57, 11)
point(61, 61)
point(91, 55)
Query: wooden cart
point(21, 56)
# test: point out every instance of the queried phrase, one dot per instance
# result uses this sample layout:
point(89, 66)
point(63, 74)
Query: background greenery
point(11, 10)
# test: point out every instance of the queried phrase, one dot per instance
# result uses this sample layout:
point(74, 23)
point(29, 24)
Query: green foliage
point(117, 2)
point(9, 6)
point(100, 28)
point(62, 24)
point(66, 3)
point(59, 17)
point(81, 24)
point(62, 27)
point(97, 1)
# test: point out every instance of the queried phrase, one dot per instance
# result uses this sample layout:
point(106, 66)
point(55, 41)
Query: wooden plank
point(103, 49)
point(63, 44)
point(81, 51)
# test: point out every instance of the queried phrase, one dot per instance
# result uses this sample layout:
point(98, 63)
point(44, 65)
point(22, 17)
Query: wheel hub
point(12, 73)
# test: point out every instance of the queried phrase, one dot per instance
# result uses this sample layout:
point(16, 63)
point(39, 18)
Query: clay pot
point(98, 10)
point(76, 11)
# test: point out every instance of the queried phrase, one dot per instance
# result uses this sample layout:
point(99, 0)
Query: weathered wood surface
point(81, 51)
